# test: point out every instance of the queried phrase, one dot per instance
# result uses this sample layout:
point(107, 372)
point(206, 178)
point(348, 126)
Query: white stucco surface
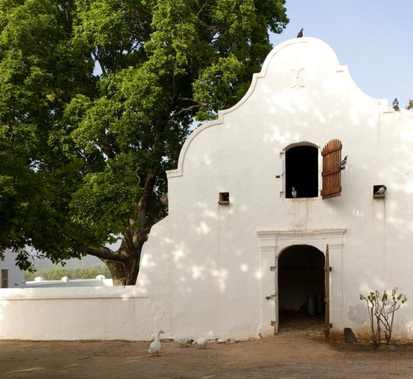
point(76, 314)
point(213, 262)
point(206, 267)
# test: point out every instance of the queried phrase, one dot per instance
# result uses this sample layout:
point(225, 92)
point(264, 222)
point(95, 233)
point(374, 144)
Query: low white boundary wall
point(76, 314)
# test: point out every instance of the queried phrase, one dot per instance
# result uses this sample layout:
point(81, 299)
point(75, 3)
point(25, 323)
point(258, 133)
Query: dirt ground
point(291, 354)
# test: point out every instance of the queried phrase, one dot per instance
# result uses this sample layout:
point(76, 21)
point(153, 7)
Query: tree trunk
point(117, 270)
point(126, 273)
point(124, 264)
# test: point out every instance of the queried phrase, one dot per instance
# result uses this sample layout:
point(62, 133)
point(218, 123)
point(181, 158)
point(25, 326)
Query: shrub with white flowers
point(382, 307)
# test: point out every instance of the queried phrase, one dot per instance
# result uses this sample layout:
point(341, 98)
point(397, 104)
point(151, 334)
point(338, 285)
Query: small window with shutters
point(331, 169)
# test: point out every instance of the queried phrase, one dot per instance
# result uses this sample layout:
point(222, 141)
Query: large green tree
point(96, 99)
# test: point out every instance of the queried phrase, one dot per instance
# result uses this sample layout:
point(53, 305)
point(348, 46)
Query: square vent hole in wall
point(223, 198)
point(379, 191)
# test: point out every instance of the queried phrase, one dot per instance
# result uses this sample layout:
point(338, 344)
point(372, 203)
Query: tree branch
point(144, 225)
point(199, 103)
point(104, 253)
point(202, 7)
point(187, 109)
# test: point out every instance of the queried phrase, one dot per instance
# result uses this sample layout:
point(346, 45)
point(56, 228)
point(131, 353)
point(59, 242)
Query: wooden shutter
point(331, 169)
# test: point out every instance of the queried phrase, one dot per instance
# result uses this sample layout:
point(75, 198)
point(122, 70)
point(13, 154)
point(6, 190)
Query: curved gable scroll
point(266, 67)
point(290, 56)
point(331, 169)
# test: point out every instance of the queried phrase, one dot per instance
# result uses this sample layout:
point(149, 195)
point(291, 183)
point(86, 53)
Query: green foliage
point(40, 70)
point(96, 99)
point(216, 85)
point(382, 307)
point(103, 201)
point(57, 272)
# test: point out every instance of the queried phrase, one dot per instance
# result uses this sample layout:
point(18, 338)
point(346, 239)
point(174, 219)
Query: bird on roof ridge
point(396, 105)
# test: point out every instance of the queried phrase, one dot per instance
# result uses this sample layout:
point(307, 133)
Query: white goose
point(201, 342)
point(155, 346)
point(184, 342)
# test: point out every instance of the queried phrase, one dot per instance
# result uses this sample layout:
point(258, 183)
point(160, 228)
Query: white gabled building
point(10, 275)
point(259, 194)
point(257, 197)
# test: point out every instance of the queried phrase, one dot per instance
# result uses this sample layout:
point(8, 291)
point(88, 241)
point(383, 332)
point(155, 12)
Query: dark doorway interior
point(301, 171)
point(301, 287)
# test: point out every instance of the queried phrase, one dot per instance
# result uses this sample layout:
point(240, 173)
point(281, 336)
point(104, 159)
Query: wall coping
point(302, 232)
point(71, 293)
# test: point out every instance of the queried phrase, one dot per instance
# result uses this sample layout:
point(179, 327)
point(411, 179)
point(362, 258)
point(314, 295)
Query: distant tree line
point(57, 272)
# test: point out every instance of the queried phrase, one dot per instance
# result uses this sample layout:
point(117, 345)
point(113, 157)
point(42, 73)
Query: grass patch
point(57, 272)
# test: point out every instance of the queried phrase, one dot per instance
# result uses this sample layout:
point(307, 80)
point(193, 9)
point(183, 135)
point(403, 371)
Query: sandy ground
point(289, 355)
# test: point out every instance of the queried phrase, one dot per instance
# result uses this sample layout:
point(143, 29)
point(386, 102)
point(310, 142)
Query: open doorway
point(301, 171)
point(301, 288)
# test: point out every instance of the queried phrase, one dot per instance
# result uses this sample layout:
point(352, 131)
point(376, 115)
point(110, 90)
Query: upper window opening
point(301, 171)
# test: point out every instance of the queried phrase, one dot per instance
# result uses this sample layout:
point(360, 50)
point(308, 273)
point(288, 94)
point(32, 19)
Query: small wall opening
point(301, 171)
point(223, 198)
point(301, 287)
point(4, 277)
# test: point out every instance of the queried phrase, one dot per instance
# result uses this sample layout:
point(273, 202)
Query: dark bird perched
point(396, 105)
point(343, 163)
point(300, 33)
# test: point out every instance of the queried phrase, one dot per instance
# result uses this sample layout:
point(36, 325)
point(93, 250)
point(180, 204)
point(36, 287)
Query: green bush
point(57, 272)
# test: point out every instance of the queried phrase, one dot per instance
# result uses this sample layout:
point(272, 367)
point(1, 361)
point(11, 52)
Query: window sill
point(303, 199)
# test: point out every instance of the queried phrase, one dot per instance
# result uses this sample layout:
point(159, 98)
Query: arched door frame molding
point(271, 243)
point(301, 244)
point(298, 144)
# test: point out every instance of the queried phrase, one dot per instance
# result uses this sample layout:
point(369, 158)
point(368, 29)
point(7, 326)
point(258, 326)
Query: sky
point(373, 38)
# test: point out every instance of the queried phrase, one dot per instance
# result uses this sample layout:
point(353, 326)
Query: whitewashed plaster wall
point(212, 263)
point(81, 313)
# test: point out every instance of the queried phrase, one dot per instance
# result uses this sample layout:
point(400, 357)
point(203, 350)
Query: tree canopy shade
point(96, 99)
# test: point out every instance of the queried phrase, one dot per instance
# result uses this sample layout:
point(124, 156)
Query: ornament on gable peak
point(298, 80)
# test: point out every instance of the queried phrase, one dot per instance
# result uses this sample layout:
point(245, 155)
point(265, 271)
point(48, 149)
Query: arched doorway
point(301, 287)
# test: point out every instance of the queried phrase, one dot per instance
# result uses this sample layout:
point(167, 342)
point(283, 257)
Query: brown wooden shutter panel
point(331, 169)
